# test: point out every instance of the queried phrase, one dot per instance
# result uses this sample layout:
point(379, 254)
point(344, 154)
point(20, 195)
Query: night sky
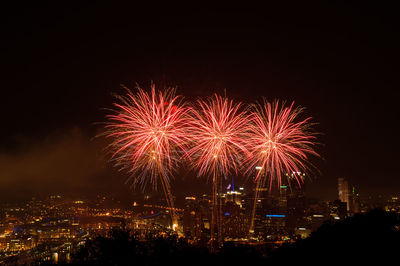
point(62, 62)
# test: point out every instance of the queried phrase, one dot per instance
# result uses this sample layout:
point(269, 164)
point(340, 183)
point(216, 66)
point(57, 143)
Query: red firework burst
point(148, 133)
point(217, 130)
point(279, 141)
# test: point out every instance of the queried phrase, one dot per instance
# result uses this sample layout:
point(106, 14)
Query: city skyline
point(54, 228)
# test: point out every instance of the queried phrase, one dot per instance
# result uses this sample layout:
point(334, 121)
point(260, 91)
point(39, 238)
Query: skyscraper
point(355, 206)
point(233, 195)
point(296, 201)
point(344, 191)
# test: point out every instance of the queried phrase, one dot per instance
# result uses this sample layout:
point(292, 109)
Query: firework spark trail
point(148, 132)
point(217, 130)
point(278, 143)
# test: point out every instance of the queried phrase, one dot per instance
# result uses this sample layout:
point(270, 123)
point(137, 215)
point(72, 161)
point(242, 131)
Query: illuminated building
point(3, 242)
point(292, 201)
point(196, 218)
point(275, 225)
point(344, 191)
point(282, 202)
point(263, 203)
point(302, 232)
point(15, 245)
point(355, 205)
point(192, 219)
point(235, 222)
point(233, 195)
point(393, 204)
point(317, 220)
point(338, 210)
point(350, 197)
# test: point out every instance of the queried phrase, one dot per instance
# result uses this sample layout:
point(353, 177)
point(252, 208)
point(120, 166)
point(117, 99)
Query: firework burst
point(148, 134)
point(279, 141)
point(217, 129)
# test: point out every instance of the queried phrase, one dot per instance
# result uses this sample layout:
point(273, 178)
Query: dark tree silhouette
point(124, 248)
point(363, 237)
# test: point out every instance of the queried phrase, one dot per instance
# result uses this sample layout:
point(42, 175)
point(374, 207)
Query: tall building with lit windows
point(344, 191)
point(233, 194)
point(355, 205)
point(348, 194)
point(193, 217)
point(296, 200)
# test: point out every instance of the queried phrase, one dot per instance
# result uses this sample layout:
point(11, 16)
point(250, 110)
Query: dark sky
point(61, 63)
